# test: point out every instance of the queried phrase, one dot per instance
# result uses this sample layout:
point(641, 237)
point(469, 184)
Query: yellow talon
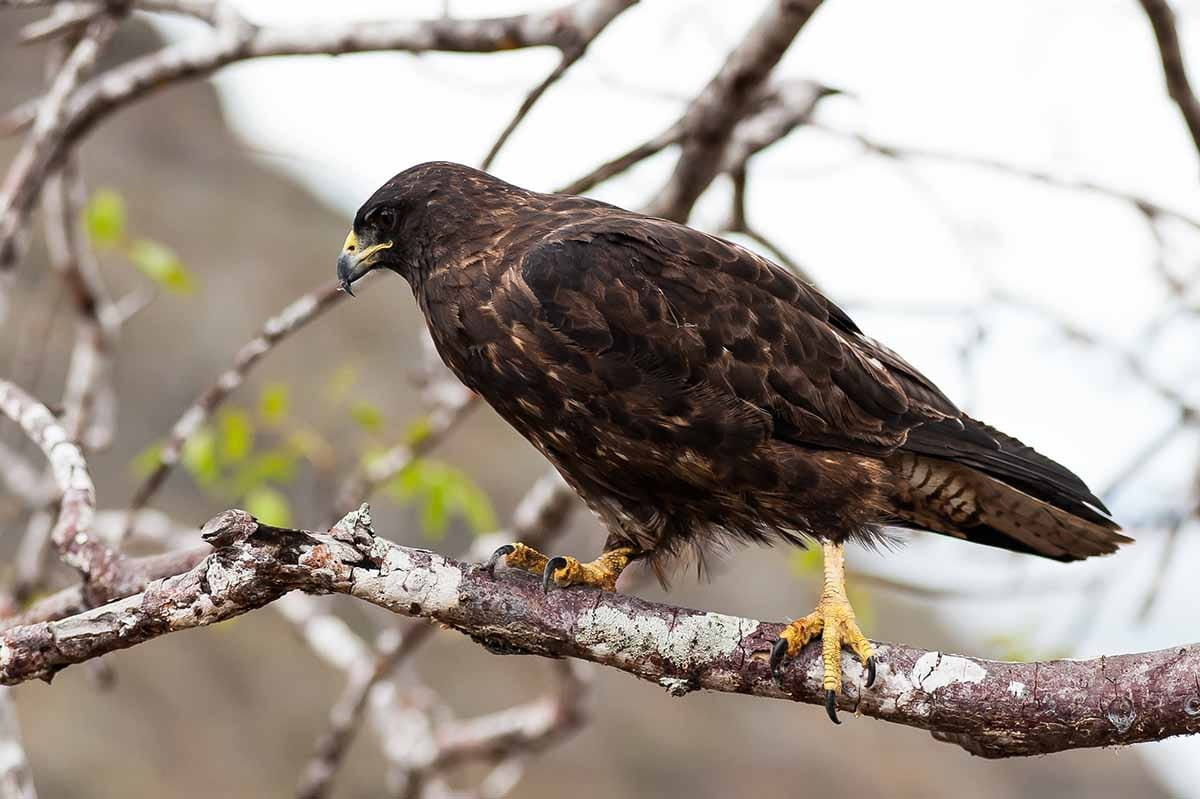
point(834, 621)
point(565, 570)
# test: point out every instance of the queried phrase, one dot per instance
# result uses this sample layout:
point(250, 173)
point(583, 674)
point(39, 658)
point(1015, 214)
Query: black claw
point(778, 653)
point(548, 574)
point(870, 671)
point(831, 706)
point(490, 566)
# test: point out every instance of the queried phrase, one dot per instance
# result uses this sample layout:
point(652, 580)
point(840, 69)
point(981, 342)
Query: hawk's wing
point(710, 315)
point(714, 317)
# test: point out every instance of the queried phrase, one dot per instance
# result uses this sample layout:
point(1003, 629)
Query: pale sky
point(1072, 87)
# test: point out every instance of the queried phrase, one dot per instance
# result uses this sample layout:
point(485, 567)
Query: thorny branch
point(990, 708)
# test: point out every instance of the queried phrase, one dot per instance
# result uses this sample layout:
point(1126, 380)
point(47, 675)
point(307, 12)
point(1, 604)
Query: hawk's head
point(372, 242)
point(425, 214)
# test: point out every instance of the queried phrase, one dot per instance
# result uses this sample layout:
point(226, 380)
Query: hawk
point(693, 392)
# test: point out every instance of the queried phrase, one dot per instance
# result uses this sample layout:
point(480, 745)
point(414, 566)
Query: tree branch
point(72, 532)
point(70, 113)
point(712, 116)
point(1166, 34)
point(990, 708)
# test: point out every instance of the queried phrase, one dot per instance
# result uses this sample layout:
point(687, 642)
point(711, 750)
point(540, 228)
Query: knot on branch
point(229, 528)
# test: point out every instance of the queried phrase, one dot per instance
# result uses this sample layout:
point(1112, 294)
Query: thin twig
point(41, 152)
point(72, 531)
point(1166, 34)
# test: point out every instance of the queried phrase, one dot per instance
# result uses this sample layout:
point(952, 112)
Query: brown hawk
point(692, 391)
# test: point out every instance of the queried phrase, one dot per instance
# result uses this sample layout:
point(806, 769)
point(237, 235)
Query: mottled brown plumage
point(691, 390)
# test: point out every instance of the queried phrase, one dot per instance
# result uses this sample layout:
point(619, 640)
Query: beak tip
point(345, 286)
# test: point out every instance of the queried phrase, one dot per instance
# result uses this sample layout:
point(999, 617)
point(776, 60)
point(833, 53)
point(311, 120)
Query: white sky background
point(1070, 86)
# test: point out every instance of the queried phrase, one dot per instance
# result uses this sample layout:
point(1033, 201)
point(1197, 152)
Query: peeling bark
point(989, 708)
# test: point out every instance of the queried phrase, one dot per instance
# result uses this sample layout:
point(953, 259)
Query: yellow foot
point(564, 571)
point(834, 622)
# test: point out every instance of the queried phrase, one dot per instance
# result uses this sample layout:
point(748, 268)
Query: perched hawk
point(692, 391)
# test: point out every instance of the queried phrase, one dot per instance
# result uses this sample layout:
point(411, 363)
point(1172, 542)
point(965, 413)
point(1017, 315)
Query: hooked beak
point(356, 261)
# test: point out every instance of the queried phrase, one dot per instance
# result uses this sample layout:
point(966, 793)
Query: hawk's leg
point(832, 621)
point(564, 571)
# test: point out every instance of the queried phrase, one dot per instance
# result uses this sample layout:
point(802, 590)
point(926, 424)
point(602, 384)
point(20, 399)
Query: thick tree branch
point(1166, 34)
point(990, 708)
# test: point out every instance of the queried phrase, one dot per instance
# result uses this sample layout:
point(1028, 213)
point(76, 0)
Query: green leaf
point(269, 506)
point(147, 460)
point(104, 218)
point(434, 512)
point(277, 466)
point(273, 403)
point(237, 435)
point(367, 416)
point(339, 384)
point(199, 457)
point(310, 445)
point(442, 493)
point(162, 265)
point(476, 509)
point(417, 431)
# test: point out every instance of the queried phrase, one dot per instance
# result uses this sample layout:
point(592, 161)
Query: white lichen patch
point(1017, 689)
point(400, 583)
point(933, 670)
point(691, 641)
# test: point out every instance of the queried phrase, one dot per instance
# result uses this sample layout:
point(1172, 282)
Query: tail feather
point(960, 501)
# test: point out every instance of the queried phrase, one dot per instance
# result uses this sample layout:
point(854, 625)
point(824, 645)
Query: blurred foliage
point(105, 222)
point(442, 493)
point(250, 457)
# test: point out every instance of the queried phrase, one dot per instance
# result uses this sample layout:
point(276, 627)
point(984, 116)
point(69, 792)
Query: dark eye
point(382, 218)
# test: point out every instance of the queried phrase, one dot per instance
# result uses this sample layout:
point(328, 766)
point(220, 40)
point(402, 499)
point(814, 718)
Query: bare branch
point(616, 166)
point(535, 94)
point(19, 477)
point(1150, 208)
point(507, 735)
point(570, 54)
point(1166, 34)
point(16, 781)
point(88, 382)
point(990, 708)
point(72, 532)
point(41, 148)
point(712, 116)
point(70, 117)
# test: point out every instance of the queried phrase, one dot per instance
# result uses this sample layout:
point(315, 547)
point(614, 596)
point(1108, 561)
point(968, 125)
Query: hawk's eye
point(382, 218)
